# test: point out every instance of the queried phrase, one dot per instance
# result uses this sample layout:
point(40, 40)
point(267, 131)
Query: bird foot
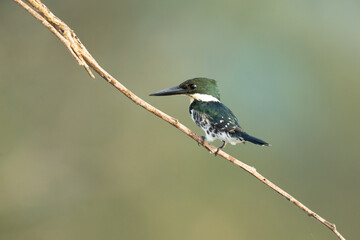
point(218, 149)
point(216, 152)
point(203, 141)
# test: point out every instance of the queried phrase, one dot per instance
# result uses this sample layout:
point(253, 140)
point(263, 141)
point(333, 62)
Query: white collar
point(202, 97)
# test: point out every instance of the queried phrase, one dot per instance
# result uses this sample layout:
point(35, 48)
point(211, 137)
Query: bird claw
point(217, 151)
point(202, 142)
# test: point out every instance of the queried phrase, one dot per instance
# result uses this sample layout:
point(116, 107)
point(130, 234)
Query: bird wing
point(220, 115)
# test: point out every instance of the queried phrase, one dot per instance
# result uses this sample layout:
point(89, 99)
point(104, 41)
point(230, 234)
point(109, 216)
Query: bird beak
point(170, 91)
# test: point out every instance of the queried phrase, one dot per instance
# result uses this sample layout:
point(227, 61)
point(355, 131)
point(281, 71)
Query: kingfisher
point(211, 115)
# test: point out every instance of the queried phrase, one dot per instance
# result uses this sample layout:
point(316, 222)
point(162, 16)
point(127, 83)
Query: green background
point(78, 160)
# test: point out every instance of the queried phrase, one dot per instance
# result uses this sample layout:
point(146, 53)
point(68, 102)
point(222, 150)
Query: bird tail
point(254, 140)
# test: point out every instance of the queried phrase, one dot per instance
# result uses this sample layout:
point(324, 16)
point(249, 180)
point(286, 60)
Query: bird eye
point(192, 86)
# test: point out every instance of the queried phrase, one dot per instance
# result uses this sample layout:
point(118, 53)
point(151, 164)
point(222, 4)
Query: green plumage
point(218, 114)
point(203, 86)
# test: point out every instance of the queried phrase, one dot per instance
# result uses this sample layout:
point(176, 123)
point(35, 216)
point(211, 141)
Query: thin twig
point(83, 57)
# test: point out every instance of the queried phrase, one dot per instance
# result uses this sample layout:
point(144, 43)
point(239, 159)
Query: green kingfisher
point(206, 110)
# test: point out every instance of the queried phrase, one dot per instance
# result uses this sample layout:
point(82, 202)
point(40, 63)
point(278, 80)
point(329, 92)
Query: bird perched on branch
point(217, 121)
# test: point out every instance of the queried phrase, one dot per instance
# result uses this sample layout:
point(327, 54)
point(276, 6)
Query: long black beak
point(169, 91)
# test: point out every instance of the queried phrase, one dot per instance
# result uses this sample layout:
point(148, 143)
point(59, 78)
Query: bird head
point(201, 89)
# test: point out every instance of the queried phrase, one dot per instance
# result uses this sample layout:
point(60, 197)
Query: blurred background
point(78, 160)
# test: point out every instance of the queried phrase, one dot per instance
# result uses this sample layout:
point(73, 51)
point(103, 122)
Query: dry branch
point(67, 36)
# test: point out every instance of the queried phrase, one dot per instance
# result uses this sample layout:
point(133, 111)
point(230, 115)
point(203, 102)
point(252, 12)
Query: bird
point(210, 114)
